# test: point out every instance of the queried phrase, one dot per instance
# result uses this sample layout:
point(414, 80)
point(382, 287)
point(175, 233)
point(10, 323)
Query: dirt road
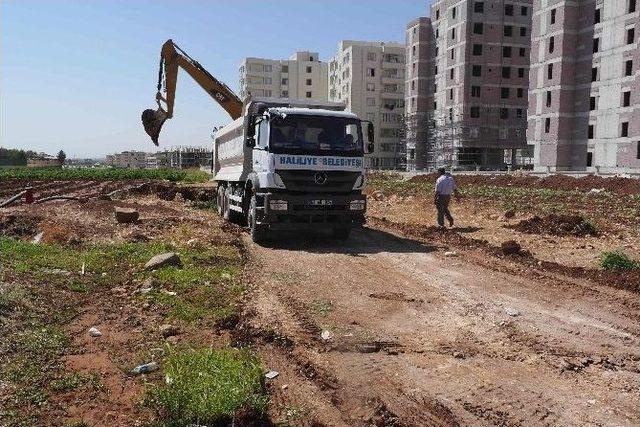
point(419, 338)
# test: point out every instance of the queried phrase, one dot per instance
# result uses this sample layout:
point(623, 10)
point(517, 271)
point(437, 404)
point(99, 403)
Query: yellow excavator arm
point(172, 58)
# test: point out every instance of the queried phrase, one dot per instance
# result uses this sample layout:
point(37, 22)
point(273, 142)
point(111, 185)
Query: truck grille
point(305, 181)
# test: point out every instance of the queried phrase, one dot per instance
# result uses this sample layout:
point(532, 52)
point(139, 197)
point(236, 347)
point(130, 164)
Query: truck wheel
point(258, 231)
point(220, 200)
point(341, 233)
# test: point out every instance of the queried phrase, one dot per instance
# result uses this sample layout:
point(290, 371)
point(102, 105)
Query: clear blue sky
point(75, 75)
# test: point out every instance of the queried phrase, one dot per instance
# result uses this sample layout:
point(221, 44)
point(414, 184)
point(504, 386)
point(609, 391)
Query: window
point(413, 85)
point(550, 72)
point(475, 91)
point(524, 10)
point(435, 105)
point(476, 71)
point(452, 73)
point(519, 113)
point(521, 73)
point(504, 113)
point(309, 70)
point(308, 94)
point(371, 72)
point(594, 74)
point(553, 16)
point(523, 52)
point(589, 159)
point(413, 51)
point(508, 9)
point(638, 150)
point(548, 98)
point(371, 117)
point(267, 93)
point(478, 28)
point(453, 13)
point(309, 83)
point(475, 112)
point(628, 68)
point(437, 32)
point(372, 86)
point(371, 102)
point(284, 94)
point(520, 92)
point(450, 93)
point(371, 56)
point(506, 72)
point(597, 16)
point(631, 36)
point(592, 103)
point(632, 6)
point(590, 132)
point(547, 125)
point(596, 45)
point(523, 31)
point(478, 7)
point(624, 130)
point(552, 44)
point(284, 81)
point(477, 49)
point(453, 34)
point(453, 53)
point(506, 51)
point(504, 93)
point(508, 31)
point(437, 13)
point(626, 99)
point(285, 69)
point(435, 70)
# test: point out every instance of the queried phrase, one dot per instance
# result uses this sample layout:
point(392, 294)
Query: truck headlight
point(278, 205)
point(357, 205)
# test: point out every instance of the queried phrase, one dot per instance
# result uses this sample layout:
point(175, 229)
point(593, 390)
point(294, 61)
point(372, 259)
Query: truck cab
point(301, 168)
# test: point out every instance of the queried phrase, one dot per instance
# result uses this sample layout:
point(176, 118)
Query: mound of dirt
point(19, 225)
point(557, 225)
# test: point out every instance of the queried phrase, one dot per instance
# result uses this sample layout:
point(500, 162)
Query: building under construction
point(467, 85)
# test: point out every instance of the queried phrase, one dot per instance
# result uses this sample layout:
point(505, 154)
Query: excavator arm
point(171, 59)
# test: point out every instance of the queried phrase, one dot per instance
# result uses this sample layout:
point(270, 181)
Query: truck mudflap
point(281, 211)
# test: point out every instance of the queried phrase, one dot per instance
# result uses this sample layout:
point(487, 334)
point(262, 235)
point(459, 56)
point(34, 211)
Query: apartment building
point(477, 64)
point(369, 78)
point(129, 159)
point(584, 108)
point(302, 76)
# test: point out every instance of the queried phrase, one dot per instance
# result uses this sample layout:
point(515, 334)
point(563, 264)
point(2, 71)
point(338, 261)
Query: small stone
point(512, 312)
point(173, 340)
point(125, 215)
point(163, 260)
point(458, 355)
point(95, 332)
point(170, 293)
point(271, 375)
point(326, 335)
point(38, 238)
point(451, 254)
point(145, 290)
point(510, 214)
point(168, 330)
point(145, 369)
point(285, 386)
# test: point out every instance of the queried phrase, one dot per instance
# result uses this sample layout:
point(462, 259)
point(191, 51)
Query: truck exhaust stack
point(152, 120)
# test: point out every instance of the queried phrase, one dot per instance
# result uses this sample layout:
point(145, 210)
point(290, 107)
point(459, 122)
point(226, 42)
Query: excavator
point(172, 58)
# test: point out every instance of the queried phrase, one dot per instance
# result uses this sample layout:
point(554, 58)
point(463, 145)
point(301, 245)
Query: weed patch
point(618, 261)
point(57, 174)
point(208, 386)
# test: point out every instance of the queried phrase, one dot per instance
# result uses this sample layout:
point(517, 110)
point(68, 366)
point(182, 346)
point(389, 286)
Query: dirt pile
point(19, 225)
point(557, 225)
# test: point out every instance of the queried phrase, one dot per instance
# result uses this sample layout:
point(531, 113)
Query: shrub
point(618, 261)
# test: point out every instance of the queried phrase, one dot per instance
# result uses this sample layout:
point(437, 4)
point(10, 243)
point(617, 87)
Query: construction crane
point(171, 58)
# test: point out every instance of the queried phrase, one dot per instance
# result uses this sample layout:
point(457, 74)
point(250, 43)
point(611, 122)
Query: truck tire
point(220, 200)
point(258, 231)
point(342, 233)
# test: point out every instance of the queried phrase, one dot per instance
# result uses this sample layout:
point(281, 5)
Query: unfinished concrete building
point(477, 63)
point(584, 109)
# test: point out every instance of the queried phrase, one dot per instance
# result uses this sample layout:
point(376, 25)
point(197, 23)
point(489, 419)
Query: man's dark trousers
point(442, 204)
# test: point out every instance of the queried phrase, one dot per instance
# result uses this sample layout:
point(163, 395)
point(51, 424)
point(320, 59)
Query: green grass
point(44, 174)
point(618, 261)
point(207, 386)
point(321, 307)
point(74, 380)
point(12, 297)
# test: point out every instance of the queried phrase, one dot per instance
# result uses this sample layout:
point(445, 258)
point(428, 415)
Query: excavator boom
point(171, 59)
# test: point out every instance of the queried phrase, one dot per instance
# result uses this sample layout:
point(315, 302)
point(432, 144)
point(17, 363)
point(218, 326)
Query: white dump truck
point(292, 165)
point(282, 164)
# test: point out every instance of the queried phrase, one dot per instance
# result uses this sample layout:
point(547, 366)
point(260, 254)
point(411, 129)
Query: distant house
point(43, 161)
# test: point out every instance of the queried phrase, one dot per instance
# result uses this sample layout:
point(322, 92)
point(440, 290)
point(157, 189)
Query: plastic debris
point(271, 375)
point(145, 369)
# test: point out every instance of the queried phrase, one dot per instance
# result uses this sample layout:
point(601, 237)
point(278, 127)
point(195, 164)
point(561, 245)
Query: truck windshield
point(316, 135)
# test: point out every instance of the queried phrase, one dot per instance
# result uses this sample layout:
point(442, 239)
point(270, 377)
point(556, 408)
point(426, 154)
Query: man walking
point(445, 187)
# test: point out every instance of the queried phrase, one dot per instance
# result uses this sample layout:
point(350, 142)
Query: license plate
point(321, 202)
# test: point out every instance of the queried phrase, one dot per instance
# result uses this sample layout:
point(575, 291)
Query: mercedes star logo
point(320, 178)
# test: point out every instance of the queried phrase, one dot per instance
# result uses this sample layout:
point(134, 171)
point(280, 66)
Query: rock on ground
point(125, 215)
point(163, 260)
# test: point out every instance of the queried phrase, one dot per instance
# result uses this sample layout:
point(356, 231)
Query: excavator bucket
point(152, 120)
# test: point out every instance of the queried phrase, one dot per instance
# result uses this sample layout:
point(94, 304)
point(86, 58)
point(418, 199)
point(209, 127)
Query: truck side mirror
point(251, 127)
point(250, 141)
point(370, 132)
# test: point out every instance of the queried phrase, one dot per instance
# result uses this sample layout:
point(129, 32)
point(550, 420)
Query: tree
point(61, 157)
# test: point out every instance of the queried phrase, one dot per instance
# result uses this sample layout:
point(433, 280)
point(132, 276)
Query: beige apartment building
point(584, 108)
point(369, 78)
point(302, 76)
point(467, 84)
